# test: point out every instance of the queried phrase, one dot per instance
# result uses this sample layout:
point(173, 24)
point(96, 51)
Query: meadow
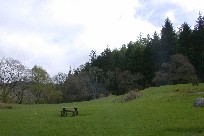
point(166, 110)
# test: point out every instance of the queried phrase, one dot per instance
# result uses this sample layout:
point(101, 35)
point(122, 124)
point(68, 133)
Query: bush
point(5, 106)
point(131, 95)
point(178, 70)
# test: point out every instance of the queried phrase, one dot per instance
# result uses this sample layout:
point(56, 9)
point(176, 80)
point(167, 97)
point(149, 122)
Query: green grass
point(166, 110)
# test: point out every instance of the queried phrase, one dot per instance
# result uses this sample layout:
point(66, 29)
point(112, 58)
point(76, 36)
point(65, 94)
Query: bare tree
point(60, 78)
point(12, 73)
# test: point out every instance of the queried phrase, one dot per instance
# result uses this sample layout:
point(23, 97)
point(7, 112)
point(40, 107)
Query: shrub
point(131, 95)
point(178, 70)
point(5, 106)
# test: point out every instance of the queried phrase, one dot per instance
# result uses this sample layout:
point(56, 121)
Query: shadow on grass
point(194, 130)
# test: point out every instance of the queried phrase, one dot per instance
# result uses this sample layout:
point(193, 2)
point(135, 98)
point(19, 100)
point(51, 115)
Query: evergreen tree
point(149, 65)
point(185, 40)
point(120, 58)
point(200, 23)
point(168, 41)
point(198, 47)
point(155, 50)
point(130, 56)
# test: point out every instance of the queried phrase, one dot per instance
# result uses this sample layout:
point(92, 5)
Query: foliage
point(131, 95)
point(197, 58)
point(51, 94)
point(12, 74)
point(5, 106)
point(42, 87)
point(185, 40)
point(182, 71)
point(150, 55)
point(168, 41)
point(178, 70)
point(78, 88)
point(60, 78)
point(21, 85)
point(127, 81)
point(40, 75)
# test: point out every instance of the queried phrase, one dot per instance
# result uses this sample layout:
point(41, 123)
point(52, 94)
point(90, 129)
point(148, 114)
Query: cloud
point(179, 11)
point(32, 48)
point(57, 34)
point(189, 5)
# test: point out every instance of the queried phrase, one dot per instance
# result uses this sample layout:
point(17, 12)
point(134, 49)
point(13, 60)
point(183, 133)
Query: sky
point(57, 34)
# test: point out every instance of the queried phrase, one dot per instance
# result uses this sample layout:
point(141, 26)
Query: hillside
point(166, 110)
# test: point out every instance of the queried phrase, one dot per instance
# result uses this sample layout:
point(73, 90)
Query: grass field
point(166, 110)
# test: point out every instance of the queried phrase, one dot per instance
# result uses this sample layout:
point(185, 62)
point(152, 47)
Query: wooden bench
point(73, 111)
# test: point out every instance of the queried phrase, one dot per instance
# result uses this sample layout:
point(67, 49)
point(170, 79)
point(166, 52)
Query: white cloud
point(190, 5)
point(170, 14)
point(34, 49)
point(105, 22)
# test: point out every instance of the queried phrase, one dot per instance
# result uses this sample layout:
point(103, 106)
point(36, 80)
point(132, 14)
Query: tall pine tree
point(148, 65)
point(168, 41)
point(198, 47)
point(155, 50)
point(185, 40)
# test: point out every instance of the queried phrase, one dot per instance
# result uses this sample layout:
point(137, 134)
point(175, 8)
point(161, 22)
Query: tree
point(168, 41)
point(181, 70)
point(97, 82)
point(40, 75)
point(149, 64)
point(162, 76)
point(93, 56)
point(156, 51)
point(60, 78)
point(134, 55)
point(128, 81)
point(52, 94)
point(105, 60)
point(197, 58)
point(178, 70)
point(200, 23)
point(40, 78)
point(120, 58)
point(185, 40)
point(130, 56)
point(12, 75)
point(77, 88)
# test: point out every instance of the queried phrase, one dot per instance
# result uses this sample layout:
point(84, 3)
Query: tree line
point(170, 57)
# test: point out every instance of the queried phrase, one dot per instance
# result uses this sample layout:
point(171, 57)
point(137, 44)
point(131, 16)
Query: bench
point(73, 111)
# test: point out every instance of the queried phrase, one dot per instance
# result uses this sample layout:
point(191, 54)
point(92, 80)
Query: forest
point(170, 57)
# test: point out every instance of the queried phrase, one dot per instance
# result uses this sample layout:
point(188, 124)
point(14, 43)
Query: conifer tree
point(198, 47)
point(185, 40)
point(148, 65)
point(168, 41)
point(155, 49)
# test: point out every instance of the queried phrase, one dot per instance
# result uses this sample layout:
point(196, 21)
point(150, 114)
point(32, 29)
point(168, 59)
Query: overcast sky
point(57, 34)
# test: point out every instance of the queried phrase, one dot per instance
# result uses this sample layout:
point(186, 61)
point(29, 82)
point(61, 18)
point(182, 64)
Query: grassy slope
point(160, 111)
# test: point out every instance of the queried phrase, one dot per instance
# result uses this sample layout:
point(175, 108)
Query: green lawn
point(159, 111)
